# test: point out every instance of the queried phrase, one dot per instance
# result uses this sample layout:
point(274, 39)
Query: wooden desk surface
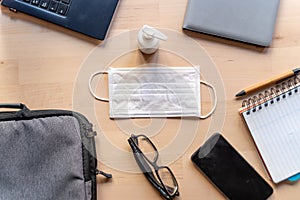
point(39, 64)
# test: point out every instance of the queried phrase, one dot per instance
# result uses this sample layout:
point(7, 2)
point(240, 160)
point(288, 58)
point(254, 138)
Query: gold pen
point(273, 80)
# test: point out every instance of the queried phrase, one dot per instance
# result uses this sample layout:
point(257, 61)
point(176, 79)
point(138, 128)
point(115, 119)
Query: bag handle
point(13, 106)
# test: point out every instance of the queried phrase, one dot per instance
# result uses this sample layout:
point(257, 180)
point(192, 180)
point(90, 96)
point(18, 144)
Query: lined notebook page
point(276, 132)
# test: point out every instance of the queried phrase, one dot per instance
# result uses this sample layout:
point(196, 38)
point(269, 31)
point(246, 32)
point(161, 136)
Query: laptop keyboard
point(57, 6)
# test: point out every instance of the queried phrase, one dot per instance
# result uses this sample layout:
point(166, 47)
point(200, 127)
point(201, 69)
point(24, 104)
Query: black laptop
point(90, 17)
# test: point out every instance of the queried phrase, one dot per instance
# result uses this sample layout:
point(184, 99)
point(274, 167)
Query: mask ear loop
point(90, 86)
point(215, 100)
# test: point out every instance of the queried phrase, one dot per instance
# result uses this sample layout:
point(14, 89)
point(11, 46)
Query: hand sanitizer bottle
point(148, 39)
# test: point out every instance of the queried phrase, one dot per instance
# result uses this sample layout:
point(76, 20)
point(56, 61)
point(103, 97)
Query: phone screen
point(229, 171)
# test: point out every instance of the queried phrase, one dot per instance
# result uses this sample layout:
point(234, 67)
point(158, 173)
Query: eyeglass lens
point(147, 148)
point(168, 180)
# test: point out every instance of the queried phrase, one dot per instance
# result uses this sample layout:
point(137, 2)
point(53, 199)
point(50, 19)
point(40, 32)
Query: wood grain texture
point(39, 63)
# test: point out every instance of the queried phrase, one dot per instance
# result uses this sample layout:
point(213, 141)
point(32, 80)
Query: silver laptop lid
point(250, 21)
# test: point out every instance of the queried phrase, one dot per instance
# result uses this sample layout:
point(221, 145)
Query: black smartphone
point(229, 171)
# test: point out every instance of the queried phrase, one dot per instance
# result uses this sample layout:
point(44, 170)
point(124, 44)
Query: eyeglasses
point(146, 156)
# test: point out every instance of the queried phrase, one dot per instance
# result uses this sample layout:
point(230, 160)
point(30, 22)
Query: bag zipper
point(103, 173)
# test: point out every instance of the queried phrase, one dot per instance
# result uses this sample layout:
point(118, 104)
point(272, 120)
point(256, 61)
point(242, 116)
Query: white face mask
point(154, 92)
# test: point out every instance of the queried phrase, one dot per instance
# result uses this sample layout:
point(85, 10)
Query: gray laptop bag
point(46, 155)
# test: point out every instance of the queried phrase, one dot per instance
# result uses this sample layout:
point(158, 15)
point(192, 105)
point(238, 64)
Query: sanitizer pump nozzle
point(148, 39)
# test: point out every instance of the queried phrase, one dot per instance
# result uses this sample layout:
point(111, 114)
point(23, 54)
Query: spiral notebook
point(273, 119)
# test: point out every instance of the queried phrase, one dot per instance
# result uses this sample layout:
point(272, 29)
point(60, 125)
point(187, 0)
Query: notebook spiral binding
point(272, 95)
